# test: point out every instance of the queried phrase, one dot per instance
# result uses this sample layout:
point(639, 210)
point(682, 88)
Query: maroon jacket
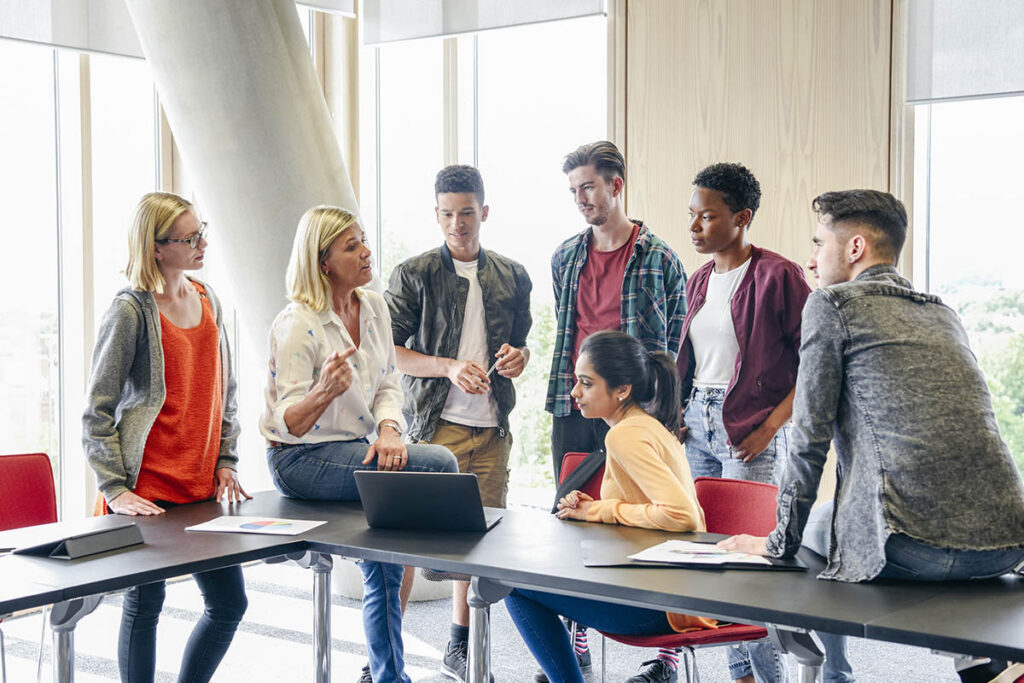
point(766, 313)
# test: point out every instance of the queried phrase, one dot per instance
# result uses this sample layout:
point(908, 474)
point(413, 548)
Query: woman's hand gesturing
point(335, 375)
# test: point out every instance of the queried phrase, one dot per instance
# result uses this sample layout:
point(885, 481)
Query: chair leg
point(604, 661)
point(42, 645)
point(689, 658)
point(3, 658)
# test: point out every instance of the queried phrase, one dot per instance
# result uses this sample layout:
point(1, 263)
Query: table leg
point(63, 618)
point(803, 646)
point(482, 594)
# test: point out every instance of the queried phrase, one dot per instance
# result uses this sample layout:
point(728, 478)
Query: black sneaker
point(657, 671)
point(455, 662)
point(582, 659)
point(366, 676)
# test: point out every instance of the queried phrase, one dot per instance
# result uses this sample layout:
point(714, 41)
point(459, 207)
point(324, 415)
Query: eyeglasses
point(192, 241)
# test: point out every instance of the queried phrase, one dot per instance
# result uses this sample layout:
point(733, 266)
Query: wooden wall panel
point(797, 90)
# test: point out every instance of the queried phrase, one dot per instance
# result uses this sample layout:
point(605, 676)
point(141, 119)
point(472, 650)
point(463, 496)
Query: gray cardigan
point(126, 391)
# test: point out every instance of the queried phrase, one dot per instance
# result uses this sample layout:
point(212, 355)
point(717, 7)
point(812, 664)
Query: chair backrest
point(593, 486)
point(732, 506)
point(27, 495)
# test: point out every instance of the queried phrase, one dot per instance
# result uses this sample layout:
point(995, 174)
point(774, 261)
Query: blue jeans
point(324, 471)
point(909, 560)
point(707, 448)
point(224, 595)
point(710, 455)
point(536, 615)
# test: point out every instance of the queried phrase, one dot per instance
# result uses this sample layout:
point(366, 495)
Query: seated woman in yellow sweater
point(646, 483)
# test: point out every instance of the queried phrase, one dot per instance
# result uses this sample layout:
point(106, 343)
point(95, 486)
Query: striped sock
point(670, 656)
point(580, 643)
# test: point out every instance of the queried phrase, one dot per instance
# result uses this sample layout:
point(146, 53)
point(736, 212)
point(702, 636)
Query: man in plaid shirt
point(615, 275)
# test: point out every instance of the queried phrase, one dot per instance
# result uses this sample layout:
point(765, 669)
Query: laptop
point(427, 501)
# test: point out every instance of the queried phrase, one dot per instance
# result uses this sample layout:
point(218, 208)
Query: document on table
point(240, 524)
point(690, 553)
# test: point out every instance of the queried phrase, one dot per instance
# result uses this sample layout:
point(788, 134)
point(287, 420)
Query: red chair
point(731, 506)
point(27, 498)
point(27, 495)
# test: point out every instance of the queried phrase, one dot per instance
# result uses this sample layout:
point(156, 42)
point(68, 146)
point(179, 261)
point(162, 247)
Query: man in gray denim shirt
point(926, 488)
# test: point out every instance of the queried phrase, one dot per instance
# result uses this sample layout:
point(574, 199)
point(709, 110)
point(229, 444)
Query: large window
point(401, 148)
point(29, 372)
point(124, 163)
point(515, 113)
point(969, 236)
point(79, 140)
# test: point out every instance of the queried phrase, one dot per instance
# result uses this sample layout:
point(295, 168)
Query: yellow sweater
point(647, 480)
point(647, 483)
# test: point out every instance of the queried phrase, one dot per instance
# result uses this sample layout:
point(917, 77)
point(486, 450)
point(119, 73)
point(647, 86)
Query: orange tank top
point(183, 446)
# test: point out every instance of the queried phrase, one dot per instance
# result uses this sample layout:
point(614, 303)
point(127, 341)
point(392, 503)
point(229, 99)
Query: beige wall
point(797, 90)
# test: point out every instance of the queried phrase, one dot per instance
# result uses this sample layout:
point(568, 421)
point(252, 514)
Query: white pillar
point(242, 98)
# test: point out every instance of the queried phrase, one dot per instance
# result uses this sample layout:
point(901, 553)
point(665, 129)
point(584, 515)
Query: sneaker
point(657, 671)
point(366, 676)
point(455, 662)
point(435, 575)
point(582, 659)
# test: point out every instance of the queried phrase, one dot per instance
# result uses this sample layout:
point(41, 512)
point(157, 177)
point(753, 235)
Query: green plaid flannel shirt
point(653, 304)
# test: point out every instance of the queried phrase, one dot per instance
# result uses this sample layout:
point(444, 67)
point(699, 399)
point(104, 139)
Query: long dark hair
point(620, 359)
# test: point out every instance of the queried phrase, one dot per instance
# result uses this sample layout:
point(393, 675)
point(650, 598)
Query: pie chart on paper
point(266, 524)
point(257, 525)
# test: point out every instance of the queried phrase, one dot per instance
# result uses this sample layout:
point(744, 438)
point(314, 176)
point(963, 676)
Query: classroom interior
point(257, 111)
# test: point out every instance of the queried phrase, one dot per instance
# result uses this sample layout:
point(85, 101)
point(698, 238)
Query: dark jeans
point(535, 614)
point(224, 594)
point(575, 434)
point(908, 560)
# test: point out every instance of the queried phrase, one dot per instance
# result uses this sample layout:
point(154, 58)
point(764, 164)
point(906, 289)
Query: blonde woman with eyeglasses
point(160, 425)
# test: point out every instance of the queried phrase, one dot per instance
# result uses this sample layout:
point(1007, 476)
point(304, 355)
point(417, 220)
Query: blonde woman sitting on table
point(159, 427)
point(646, 484)
point(332, 387)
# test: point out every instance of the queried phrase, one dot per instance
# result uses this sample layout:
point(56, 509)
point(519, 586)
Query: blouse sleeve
point(294, 364)
point(672, 508)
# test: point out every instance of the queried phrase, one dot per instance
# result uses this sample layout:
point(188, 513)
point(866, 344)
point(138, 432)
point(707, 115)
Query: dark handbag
point(579, 477)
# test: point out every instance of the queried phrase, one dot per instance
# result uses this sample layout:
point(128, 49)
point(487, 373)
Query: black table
point(532, 549)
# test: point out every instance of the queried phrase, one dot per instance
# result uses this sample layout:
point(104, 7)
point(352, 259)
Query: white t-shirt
point(712, 332)
point(472, 410)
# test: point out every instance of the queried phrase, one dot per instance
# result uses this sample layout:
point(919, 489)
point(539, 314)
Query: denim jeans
point(224, 595)
point(906, 559)
point(324, 471)
point(536, 615)
point(707, 449)
point(709, 455)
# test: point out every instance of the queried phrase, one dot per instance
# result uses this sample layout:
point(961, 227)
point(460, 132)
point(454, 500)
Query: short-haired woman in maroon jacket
point(740, 349)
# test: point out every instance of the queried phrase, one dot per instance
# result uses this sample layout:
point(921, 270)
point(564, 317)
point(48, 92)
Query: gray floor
point(273, 643)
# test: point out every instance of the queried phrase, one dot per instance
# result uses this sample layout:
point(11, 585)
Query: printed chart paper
point(257, 525)
point(688, 552)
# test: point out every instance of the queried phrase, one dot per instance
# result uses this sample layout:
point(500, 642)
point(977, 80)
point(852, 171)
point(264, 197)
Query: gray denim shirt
point(886, 373)
point(126, 391)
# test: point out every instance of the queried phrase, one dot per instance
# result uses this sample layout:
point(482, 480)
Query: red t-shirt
point(599, 293)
